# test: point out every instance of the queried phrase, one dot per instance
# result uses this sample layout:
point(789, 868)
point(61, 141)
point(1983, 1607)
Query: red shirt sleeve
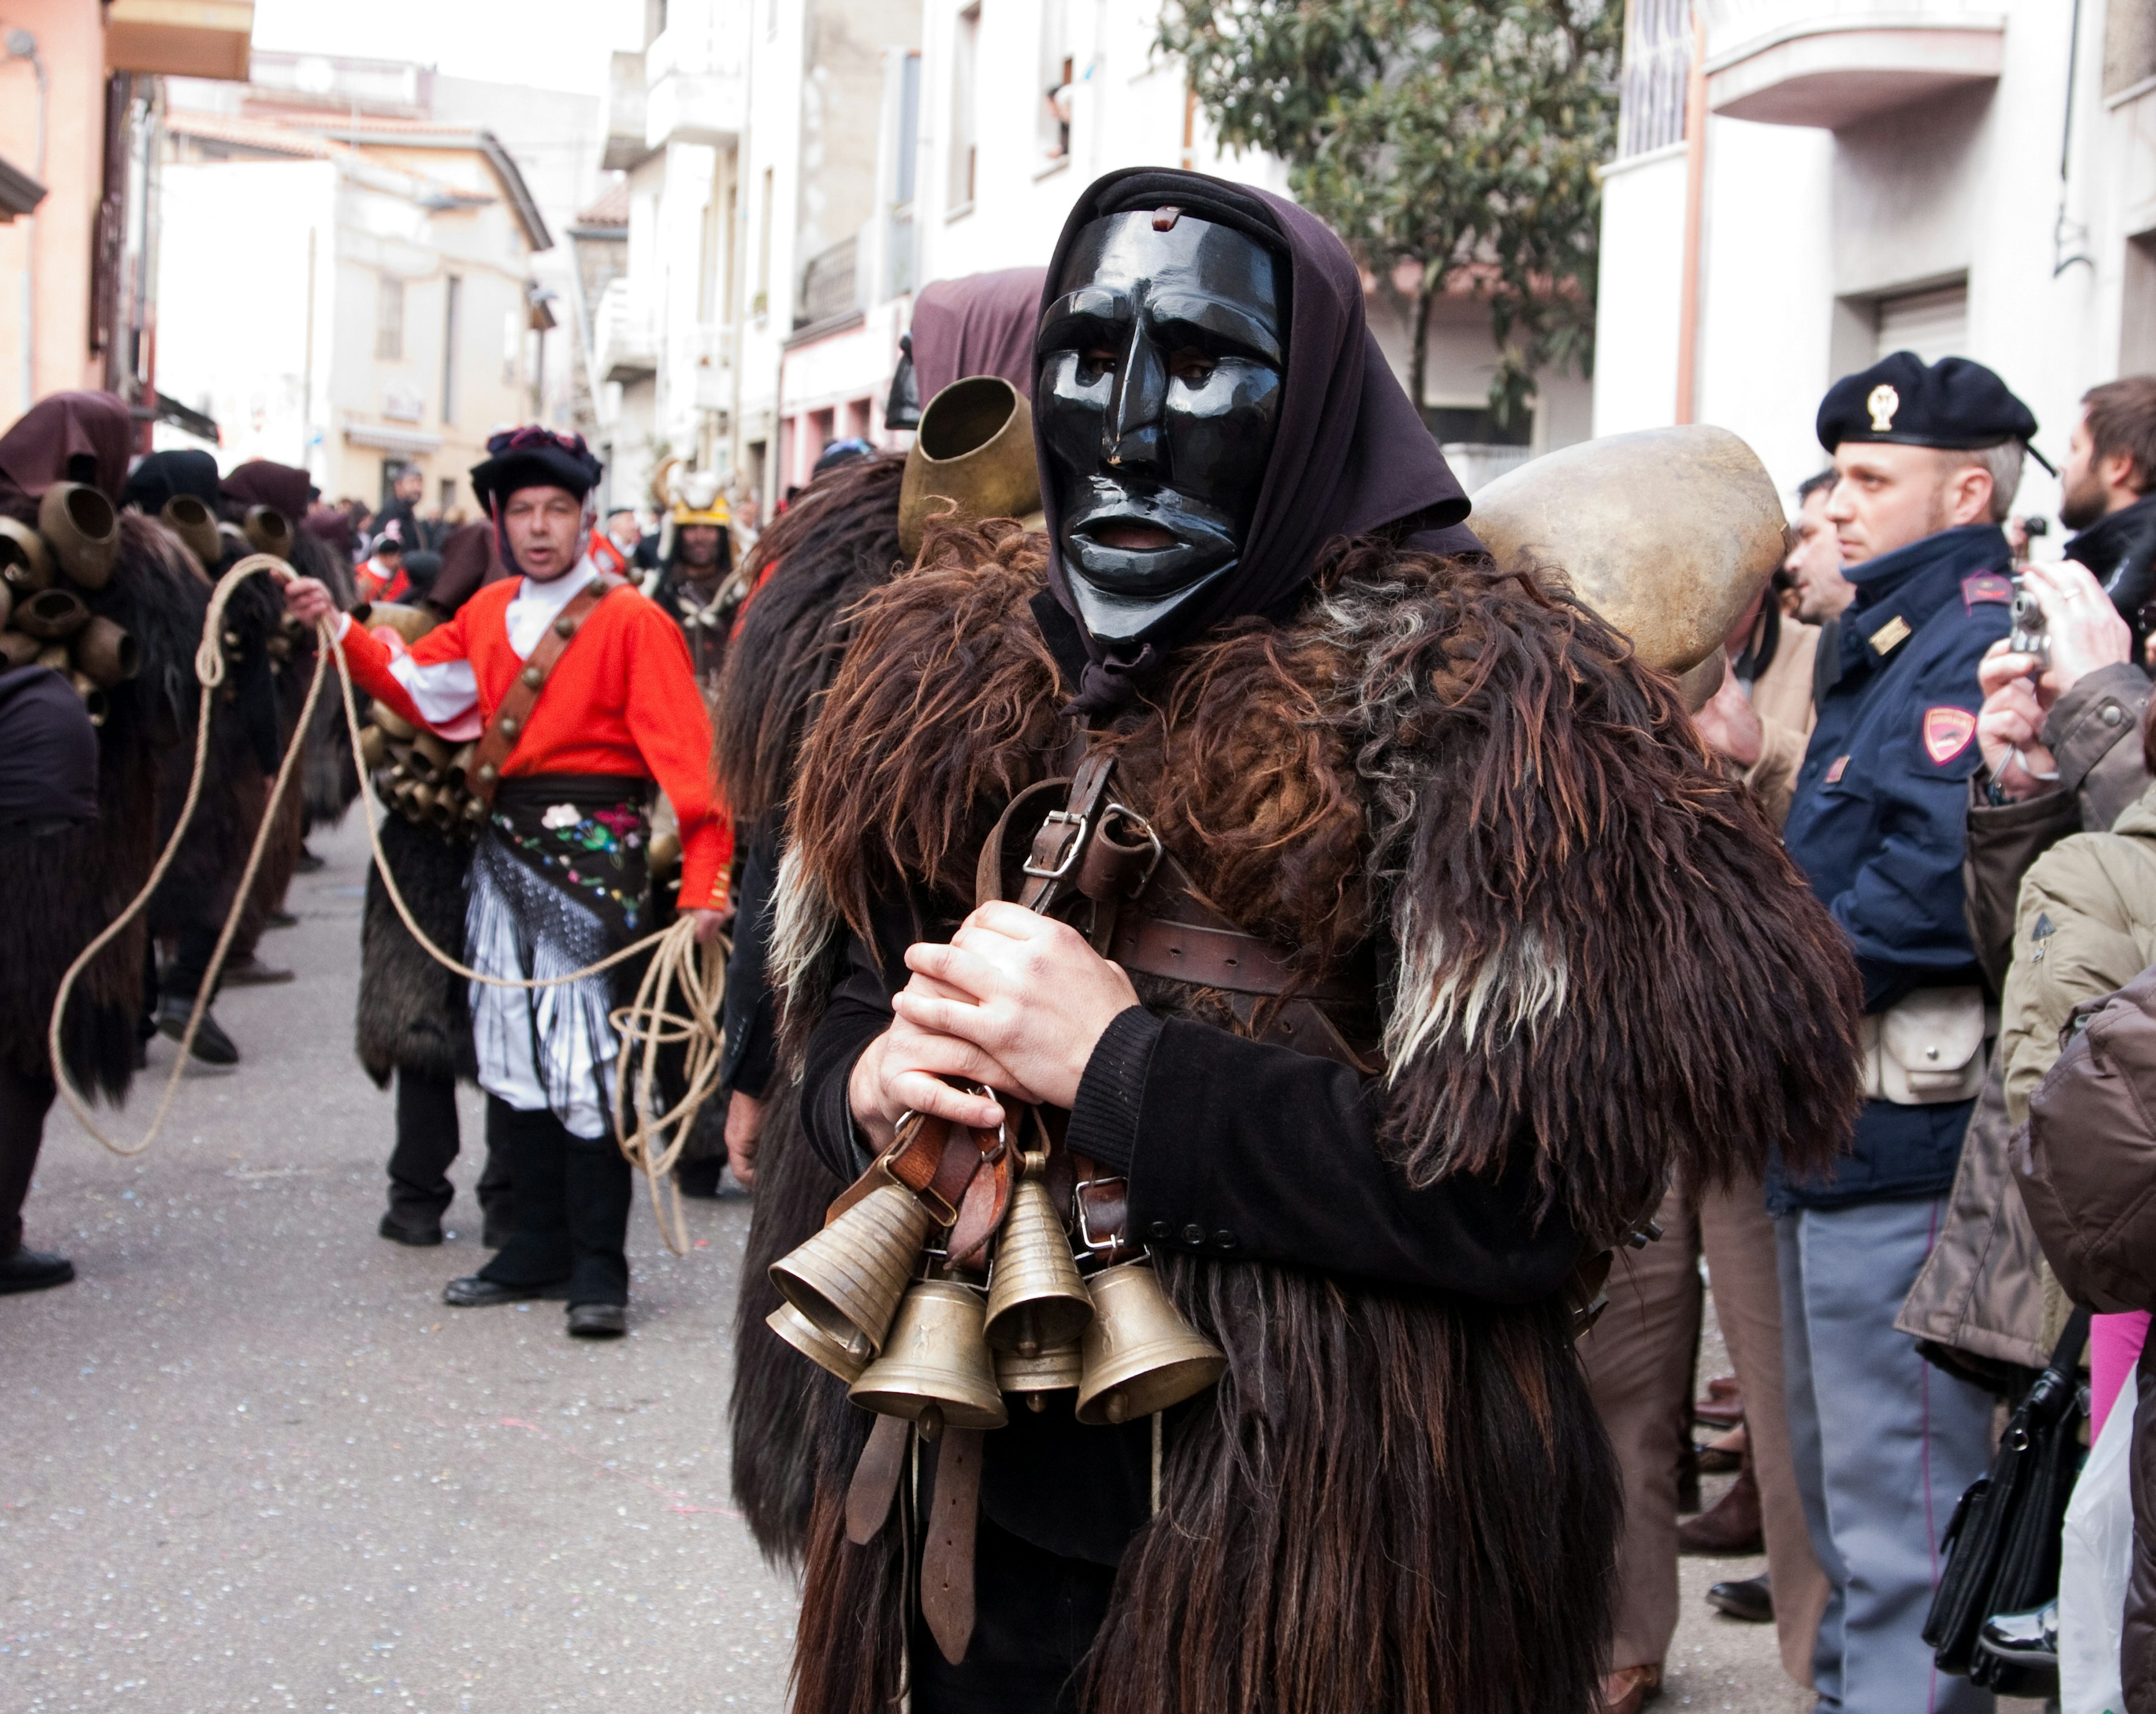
point(370, 659)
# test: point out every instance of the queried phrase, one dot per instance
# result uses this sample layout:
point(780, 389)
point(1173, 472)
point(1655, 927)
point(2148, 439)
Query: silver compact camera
point(2029, 635)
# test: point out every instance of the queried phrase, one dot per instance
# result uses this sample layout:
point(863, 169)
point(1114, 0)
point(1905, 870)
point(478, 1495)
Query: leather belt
point(1225, 958)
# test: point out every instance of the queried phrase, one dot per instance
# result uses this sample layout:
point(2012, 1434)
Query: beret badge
point(1882, 401)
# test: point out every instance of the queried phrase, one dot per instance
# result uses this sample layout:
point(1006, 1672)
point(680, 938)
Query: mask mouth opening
point(1141, 544)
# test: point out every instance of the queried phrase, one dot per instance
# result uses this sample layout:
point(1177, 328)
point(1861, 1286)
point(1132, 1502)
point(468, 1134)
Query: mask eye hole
point(1192, 366)
point(1095, 362)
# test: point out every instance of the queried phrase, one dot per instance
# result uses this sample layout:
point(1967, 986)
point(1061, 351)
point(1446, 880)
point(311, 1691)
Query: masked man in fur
point(578, 692)
point(68, 882)
point(1484, 941)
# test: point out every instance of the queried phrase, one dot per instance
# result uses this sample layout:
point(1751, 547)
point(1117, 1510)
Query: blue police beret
point(1954, 402)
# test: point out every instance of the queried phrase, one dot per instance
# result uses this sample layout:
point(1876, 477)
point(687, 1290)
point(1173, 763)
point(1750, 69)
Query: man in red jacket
point(579, 693)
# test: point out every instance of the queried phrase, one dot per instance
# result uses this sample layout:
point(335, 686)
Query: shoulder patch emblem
point(1836, 769)
point(1890, 636)
point(1882, 401)
point(1947, 732)
point(1986, 586)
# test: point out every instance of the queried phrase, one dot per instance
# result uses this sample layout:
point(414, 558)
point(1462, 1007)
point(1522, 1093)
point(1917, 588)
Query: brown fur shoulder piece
point(1602, 950)
point(1598, 949)
point(944, 707)
point(839, 541)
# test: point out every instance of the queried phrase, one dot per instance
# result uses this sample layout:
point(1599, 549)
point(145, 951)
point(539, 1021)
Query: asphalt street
point(250, 1460)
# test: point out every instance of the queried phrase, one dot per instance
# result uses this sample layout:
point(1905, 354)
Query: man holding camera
point(1927, 459)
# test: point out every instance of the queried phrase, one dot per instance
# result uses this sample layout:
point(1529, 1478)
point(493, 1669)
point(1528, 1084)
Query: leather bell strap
point(961, 1175)
point(947, 1561)
point(506, 729)
point(876, 1480)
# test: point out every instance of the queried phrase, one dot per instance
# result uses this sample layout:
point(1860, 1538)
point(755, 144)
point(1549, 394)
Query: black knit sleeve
point(1240, 1148)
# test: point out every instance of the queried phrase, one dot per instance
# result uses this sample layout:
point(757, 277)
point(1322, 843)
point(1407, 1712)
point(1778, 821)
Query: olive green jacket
point(2085, 927)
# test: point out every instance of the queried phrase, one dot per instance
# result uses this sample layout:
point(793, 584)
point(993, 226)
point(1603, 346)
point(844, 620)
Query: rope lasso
point(648, 1022)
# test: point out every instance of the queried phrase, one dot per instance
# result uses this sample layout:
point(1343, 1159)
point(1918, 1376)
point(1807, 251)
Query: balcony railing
point(714, 347)
point(829, 284)
point(1837, 62)
point(695, 89)
point(624, 340)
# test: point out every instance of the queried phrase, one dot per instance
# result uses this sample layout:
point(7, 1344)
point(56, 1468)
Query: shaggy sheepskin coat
point(1594, 956)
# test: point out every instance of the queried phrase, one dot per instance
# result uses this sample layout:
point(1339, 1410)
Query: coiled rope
point(648, 1023)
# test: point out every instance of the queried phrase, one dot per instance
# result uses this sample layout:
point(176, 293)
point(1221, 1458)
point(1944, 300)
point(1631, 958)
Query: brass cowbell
point(1140, 1356)
point(935, 1369)
point(1036, 1300)
point(813, 1342)
point(1033, 1379)
point(848, 1279)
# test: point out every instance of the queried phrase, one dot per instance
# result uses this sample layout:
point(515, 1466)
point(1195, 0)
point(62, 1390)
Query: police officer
point(1926, 462)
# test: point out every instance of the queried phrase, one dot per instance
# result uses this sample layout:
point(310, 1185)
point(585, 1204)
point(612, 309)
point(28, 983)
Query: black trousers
point(428, 1140)
point(571, 1208)
point(24, 1101)
point(192, 950)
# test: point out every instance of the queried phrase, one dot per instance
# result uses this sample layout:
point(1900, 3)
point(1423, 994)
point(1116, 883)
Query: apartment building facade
point(403, 279)
point(1975, 177)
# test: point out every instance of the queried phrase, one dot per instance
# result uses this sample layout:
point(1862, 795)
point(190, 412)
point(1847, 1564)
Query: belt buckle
point(1140, 824)
point(1069, 860)
point(1096, 1246)
point(907, 1128)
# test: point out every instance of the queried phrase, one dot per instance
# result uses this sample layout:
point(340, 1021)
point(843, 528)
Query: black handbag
point(2003, 1544)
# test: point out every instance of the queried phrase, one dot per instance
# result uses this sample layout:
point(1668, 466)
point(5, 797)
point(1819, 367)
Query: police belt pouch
point(1928, 1048)
point(504, 731)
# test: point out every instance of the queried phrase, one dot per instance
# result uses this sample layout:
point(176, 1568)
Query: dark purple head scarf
point(981, 325)
point(68, 437)
point(1351, 454)
point(283, 488)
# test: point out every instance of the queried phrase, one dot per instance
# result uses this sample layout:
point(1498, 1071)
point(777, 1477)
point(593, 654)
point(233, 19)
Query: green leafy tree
point(1447, 141)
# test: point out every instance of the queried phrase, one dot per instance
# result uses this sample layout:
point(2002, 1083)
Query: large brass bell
point(1033, 1379)
point(813, 1342)
point(1140, 1356)
point(935, 1369)
point(1036, 1300)
point(848, 1279)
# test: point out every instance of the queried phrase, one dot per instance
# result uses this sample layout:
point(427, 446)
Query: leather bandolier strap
point(500, 740)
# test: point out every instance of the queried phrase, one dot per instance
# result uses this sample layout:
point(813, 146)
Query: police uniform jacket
point(1877, 821)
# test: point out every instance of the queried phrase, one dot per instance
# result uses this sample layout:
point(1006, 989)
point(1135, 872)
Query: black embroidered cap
point(1954, 402)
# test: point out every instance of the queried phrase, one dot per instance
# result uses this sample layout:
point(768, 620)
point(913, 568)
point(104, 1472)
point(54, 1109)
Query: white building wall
point(1637, 303)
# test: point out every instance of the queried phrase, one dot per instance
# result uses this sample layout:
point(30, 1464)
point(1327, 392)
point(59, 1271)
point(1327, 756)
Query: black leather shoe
point(2017, 1654)
point(281, 918)
point(212, 1046)
point(33, 1270)
point(308, 863)
point(474, 1292)
point(1751, 1599)
point(419, 1237)
point(597, 1320)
